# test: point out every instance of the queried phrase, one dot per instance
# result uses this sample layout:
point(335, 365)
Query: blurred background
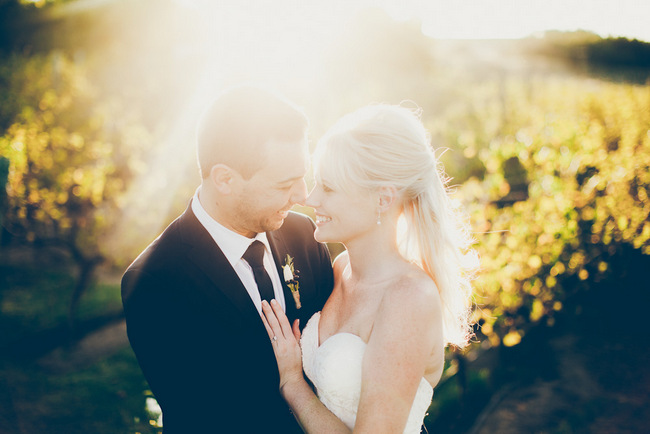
point(540, 111)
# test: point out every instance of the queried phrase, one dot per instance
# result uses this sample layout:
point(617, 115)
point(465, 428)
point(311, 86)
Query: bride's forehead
point(334, 171)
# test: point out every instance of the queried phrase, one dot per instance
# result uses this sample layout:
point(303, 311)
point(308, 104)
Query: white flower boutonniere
point(291, 279)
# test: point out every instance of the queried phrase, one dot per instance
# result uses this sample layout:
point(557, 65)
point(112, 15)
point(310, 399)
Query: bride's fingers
point(274, 328)
point(282, 319)
point(269, 331)
point(296, 330)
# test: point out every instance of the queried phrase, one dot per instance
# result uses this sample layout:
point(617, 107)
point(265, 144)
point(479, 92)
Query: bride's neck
point(372, 258)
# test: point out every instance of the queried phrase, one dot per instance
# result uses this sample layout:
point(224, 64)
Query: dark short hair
point(239, 122)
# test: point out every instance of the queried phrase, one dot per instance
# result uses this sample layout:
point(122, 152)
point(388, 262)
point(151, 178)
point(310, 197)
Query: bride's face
point(342, 216)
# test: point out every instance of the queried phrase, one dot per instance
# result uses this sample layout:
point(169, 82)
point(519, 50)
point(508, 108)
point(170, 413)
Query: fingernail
point(273, 302)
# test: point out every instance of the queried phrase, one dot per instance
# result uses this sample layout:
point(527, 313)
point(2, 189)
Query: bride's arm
point(406, 330)
point(310, 413)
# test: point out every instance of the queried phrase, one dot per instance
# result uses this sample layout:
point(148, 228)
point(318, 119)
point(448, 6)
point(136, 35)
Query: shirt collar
point(232, 244)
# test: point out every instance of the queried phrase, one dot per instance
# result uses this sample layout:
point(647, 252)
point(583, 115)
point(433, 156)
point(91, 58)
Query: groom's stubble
point(264, 200)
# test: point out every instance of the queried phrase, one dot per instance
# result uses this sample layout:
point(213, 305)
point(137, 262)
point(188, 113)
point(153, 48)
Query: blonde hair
point(386, 145)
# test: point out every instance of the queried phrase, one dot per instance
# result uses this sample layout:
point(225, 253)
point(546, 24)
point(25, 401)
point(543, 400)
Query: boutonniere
point(291, 279)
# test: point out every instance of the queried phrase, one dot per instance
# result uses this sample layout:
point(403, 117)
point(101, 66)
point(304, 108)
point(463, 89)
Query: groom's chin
point(274, 223)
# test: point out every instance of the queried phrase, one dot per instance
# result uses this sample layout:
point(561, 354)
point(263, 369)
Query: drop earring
point(378, 217)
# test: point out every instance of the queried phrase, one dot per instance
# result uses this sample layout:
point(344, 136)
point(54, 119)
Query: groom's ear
point(222, 177)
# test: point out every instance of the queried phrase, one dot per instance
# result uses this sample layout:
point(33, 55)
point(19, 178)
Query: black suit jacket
point(197, 336)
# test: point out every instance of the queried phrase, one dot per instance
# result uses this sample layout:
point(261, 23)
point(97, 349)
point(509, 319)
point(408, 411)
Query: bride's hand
point(285, 341)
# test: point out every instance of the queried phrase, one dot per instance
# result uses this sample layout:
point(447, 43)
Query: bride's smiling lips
point(322, 219)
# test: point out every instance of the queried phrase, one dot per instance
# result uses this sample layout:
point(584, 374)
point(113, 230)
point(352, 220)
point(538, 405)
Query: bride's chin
point(318, 236)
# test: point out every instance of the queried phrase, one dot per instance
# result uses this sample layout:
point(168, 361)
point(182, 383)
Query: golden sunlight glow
point(286, 44)
point(506, 19)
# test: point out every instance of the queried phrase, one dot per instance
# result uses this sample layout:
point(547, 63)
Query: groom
point(192, 299)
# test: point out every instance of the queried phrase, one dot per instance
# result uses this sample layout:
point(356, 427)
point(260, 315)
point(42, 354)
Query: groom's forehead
point(287, 149)
point(288, 163)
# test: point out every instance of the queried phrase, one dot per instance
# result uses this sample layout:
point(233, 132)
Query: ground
point(588, 373)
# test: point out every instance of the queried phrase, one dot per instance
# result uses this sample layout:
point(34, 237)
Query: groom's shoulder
point(294, 217)
point(161, 251)
point(298, 224)
point(157, 265)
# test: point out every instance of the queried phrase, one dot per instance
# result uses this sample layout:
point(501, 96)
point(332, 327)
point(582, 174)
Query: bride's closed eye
point(325, 188)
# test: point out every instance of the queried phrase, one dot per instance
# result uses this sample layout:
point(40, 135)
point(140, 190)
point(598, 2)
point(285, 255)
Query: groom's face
point(265, 198)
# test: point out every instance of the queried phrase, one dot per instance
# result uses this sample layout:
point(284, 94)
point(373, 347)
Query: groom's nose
point(299, 194)
point(312, 200)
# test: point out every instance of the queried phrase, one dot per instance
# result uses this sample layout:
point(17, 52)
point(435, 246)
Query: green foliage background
point(72, 150)
point(567, 172)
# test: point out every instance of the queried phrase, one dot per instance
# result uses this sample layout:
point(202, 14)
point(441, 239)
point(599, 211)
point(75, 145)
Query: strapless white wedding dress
point(334, 368)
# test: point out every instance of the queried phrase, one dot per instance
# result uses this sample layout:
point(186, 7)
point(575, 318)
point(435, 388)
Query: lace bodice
point(334, 368)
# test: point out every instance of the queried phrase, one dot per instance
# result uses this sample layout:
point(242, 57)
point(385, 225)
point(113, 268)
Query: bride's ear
point(387, 197)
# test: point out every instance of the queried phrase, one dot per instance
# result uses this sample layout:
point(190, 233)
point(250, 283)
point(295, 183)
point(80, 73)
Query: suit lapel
point(279, 251)
point(205, 253)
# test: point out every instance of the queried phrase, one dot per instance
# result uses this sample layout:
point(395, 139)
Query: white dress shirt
point(233, 246)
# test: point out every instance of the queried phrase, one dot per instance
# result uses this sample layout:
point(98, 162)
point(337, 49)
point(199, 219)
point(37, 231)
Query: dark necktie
point(255, 257)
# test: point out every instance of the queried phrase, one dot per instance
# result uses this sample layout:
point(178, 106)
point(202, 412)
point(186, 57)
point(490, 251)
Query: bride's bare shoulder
point(415, 291)
point(411, 311)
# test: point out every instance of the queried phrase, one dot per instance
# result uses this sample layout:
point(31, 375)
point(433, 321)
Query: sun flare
point(202, 46)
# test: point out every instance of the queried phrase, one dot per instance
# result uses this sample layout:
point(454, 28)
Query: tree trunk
point(87, 269)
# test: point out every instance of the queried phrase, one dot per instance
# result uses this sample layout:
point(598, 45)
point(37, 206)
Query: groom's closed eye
point(287, 184)
point(283, 187)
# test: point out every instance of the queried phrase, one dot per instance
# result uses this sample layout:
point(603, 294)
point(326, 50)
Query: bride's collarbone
point(339, 318)
point(354, 304)
point(372, 283)
point(353, 297)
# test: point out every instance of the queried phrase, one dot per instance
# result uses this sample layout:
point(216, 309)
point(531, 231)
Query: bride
point(401, 290)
